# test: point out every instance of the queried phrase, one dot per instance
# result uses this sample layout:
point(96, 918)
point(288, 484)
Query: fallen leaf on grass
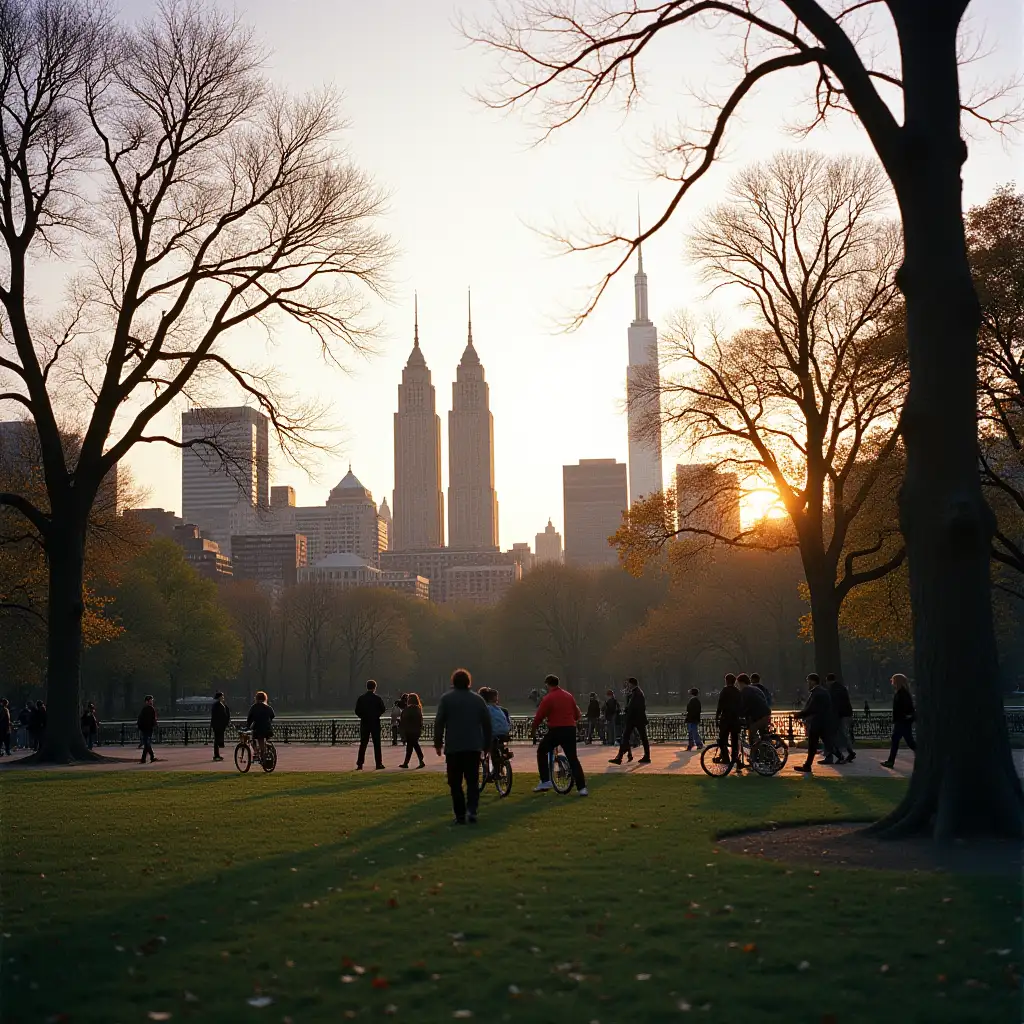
point(391, 1009)
point(804, 965)
point(393, 903)
point(750, 947)
point(158, 1015)
point(514, 991)
point(462, 1014)
point(684, 1006)
point(358, 969)
point(884, 968)
point(379, 982)
point(643, 977)
point(259, 1001)
point(347, 979)
point(190, 997)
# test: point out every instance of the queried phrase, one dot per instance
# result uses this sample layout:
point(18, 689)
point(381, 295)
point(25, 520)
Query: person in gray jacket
point(462, 725)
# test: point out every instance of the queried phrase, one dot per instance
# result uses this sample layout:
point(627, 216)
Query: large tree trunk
point(65, 553)
point(958, 788)
point(821, 585)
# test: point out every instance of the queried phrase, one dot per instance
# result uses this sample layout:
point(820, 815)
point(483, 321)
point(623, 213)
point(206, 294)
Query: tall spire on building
point(469, 313)
point(469, 356)
point(640, 280)
point(416, 319)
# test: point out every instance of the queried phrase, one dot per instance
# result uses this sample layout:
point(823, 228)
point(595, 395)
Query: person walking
point(370, 708)
point(727, 717)
point(559, 709)
point(147, 726)
point(396, 718)
point(37, 725)
point(25, 726)
point(753, 708)
point(90, 725)
point(411, 727)
point(842, 708)
point(816, 714)
point(693, 721)
point(636, 718)
point(462, 728)
point(867, 710)
point(902, 718)
point(611, 713)
point(220, 719)
point(5, 727)
point(593, 718)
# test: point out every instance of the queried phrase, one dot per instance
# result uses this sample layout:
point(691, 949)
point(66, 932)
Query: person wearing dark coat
point(37, 725)
point(370, 707)
point(147, 725)
point(842, 708)
point(693, 721)
point(593, 717)
point(411, 727)
point(902, 718)
point(611, 713)
point(90, 725)
point(727, 717)
point(816, 714)
point(636, 718)
point(462, 729)
point(5, 727)
point(220, 719)
point(260, 719)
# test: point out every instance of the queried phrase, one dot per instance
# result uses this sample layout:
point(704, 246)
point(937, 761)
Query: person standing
point(396, 719)
point(727, 717)
point(611, 713)
point(369, 710)
point(816, 714)
point(90, 725)
point(902, 718)
point(220, 719)
point(5, 727)
point(559, 709)
point(462, 728)
point(636, 718)
point(867, 709)
point(842, 707)
point(693, 710)
point(147, 726)
point(37, 725)
point(593, 718)
point(25, 726)
point(753, 708)
point(755, 680)
point(411, 727)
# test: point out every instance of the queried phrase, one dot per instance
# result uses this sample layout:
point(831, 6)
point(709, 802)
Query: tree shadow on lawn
point(282, 884)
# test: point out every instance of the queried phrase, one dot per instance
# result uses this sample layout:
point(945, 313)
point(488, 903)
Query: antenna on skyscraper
point(415, 320)
point(469, 310)
point(639, 247)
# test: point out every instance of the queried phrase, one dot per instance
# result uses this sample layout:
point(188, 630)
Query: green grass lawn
point(126, 897)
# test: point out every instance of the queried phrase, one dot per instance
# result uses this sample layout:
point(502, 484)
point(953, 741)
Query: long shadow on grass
point(283, 884)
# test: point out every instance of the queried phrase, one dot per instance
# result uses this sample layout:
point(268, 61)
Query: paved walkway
point(666, 760)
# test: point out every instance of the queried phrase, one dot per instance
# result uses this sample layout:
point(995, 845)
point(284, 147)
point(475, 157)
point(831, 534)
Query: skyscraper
point(472, 503)
point(642, 379)
point(231, 467)
point(548, 545)
point(418, 500)
point(707, 499)
point(594, 494)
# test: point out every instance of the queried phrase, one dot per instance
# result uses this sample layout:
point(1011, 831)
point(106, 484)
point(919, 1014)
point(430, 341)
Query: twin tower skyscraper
point(418, 498)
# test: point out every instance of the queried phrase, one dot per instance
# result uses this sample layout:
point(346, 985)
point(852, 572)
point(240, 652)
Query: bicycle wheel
point(780, 749)
point(503, 778)
point(243, 757)
point(269, 757)
point(764, 758)
point(483, 774)
point(711, 767)
point(561, 776)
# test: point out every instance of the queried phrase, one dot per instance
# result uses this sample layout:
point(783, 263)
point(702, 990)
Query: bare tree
point(202, 205)
point(811, 396)
point(370, 626)
point(568, 55)
point(310, 610)
point(995, 237)
point(256, 620)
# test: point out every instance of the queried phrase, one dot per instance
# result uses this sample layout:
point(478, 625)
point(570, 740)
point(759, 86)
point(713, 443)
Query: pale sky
point(467, 191)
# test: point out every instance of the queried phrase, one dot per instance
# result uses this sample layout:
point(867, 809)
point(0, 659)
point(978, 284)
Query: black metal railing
point(335, 731)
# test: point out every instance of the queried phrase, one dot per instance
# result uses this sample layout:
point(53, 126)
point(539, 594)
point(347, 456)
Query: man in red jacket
point(560, 710)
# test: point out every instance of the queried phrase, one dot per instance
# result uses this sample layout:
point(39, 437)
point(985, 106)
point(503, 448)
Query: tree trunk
point(821, 586)
point(958, 788)
point(65, 553)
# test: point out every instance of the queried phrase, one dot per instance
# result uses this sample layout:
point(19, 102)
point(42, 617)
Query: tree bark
point(65, 552)
point(958, 788)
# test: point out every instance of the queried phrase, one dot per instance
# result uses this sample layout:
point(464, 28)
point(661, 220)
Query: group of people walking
point(24, 730)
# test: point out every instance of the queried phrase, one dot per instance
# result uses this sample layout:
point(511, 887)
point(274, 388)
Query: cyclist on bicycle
point(501, 722)
point(261, 714)
point(562, 714)
point(753, 708)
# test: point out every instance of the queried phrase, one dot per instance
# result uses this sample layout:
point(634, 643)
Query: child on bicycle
point(261, 714)
point(501, 722)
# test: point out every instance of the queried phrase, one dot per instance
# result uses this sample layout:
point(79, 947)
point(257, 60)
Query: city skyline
point(472, 208)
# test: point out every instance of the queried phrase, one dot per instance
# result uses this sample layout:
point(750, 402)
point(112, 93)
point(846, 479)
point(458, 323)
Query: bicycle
point(559, 771)
point(245, 754)
point(499, 773)
point(764, 756)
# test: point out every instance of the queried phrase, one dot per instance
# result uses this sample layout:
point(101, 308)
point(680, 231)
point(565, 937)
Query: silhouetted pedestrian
point(37, 725)
point(462, 728)
point(902, 718)
point(90, 725)
point(727, 717)
point(396, 718)
point(147, 726)
point(220, 719)
point(636, 718)
point(816, 714)
point(5, 726)
point(693, 710)
point(369, 710)
point(25, 726)
point(593, 717)
point(611, 714)
point(842, 708)
point(755, 680)
point(411, 728)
